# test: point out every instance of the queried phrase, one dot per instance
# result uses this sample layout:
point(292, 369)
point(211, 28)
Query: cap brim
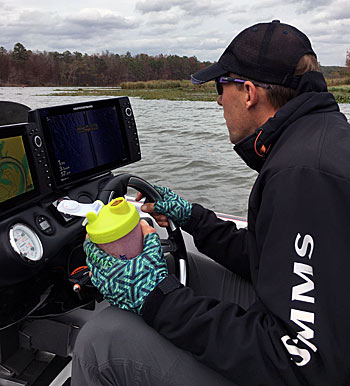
point(212, 72)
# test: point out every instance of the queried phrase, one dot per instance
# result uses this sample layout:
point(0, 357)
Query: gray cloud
point(202, 8)
point(30, 26)
point(191, 8)
point(163, 18)
point(331, 15)
point(5, 7)
point(202, 28)
point(93, 18)
point(267, 4)
point(148, 6)
point(307, 6)
point(159, 30)
point(318, 3)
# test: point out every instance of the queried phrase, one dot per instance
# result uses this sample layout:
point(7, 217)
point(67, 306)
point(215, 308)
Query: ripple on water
point(184, 145)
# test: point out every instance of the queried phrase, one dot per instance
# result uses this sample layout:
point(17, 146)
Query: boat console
point(46, 155)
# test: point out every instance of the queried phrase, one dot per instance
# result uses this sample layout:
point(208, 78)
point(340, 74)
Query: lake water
point(184, 146)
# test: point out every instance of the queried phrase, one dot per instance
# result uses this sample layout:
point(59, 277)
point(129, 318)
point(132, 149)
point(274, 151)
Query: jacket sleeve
point(284, 338)
point(243, 346)
point(221, 240)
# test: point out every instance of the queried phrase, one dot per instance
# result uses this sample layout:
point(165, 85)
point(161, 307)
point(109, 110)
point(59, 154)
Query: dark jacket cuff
point(157, 296)
point(192, 222)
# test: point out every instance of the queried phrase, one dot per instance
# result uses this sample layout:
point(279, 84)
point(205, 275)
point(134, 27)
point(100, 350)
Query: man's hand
point(171, 206)
point(127, 283)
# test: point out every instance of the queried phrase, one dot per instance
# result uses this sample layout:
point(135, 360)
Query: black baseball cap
point(265, 52)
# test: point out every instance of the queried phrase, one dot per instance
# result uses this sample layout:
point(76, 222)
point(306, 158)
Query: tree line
point(24, 67)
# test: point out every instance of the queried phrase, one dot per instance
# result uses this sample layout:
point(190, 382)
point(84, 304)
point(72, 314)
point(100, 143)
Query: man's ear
point(251, 94)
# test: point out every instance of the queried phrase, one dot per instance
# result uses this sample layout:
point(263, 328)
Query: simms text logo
point(101, 261)
point(304, 247)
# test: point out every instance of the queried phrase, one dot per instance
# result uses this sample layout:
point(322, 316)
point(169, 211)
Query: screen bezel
point(20, 130)
point(43, 113)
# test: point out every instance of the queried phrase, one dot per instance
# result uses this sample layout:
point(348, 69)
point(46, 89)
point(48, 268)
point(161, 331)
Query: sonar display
point(84, 140)
point(15, 176)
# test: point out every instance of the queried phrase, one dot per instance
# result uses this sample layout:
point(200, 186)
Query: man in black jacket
point(294, 253)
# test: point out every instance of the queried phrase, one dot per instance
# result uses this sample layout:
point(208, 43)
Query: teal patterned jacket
point(173, 206)
point(127, 283)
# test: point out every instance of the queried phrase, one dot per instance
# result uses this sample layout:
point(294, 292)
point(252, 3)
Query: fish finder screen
point(83, 142)
point(15, 176)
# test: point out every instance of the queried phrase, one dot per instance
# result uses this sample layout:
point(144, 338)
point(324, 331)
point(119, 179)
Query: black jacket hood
point(311, 96)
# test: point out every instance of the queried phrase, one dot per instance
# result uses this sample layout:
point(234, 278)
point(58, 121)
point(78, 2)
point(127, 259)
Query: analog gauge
point(26, 243)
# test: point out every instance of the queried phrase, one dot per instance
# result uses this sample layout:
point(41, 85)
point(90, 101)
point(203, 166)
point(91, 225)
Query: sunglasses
point(228, 79)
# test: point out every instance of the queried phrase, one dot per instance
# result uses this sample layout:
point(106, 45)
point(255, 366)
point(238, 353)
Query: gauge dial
point(26, 242)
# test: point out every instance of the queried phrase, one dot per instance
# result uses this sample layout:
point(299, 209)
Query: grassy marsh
point(176, 90)
point(155, 89)
point(341, 93)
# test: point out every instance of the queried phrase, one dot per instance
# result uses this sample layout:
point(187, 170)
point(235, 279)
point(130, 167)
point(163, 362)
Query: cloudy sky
point(183, 27)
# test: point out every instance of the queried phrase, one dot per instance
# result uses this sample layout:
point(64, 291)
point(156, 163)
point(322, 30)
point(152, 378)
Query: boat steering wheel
point(117, 187)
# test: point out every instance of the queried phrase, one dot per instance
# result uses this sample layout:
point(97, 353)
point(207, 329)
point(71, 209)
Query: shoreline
point(169, 90)
point(341, 93)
